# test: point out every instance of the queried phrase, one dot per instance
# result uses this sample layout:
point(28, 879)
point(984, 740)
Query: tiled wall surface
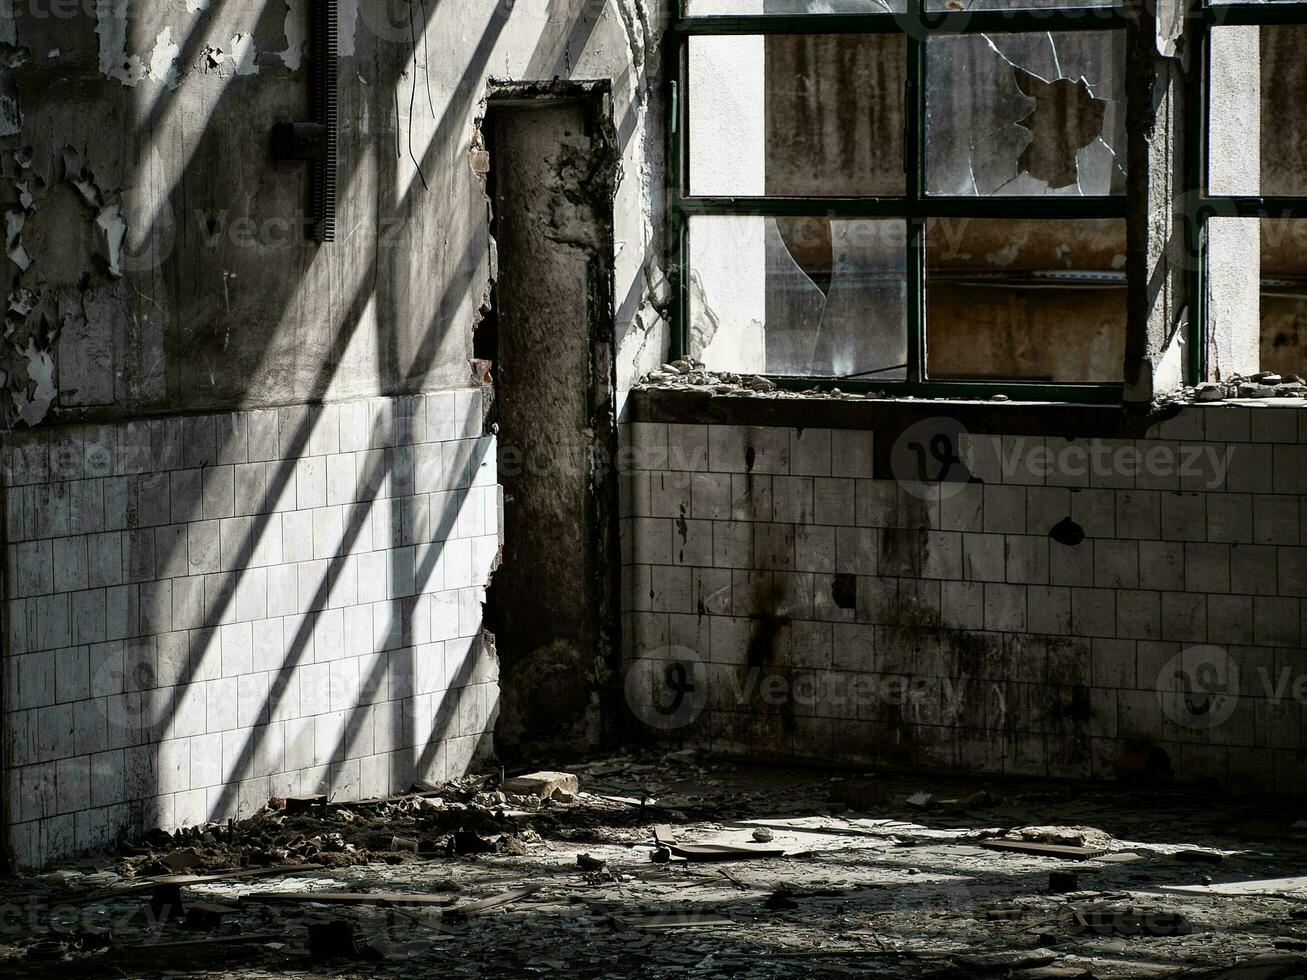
point(205, 612)
point(818, 607)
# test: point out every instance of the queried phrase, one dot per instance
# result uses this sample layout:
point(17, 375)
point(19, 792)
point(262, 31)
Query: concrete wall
point(151, 122)
point(819, 607)
point(217, 598)
point(209, 611)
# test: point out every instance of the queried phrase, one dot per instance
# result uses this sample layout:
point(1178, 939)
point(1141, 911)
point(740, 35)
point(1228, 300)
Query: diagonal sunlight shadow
point(158, 118)
point(350, 320)
point(357, 520)
point(467, 92)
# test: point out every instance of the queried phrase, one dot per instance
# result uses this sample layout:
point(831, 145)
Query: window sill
point(701, 405)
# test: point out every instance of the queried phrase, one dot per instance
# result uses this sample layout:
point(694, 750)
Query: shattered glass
point(797, 114)
point(1026, 299)
point(1026, 114)
point(800, 296)
point(709, 8)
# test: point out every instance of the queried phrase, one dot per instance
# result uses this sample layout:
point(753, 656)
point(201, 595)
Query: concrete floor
point(895, 885)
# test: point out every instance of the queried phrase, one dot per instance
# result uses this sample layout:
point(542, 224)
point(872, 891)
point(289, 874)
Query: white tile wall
point(209, 611)
point(778, 551)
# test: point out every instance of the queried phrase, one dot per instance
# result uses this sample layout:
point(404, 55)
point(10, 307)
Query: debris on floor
point(765, 873)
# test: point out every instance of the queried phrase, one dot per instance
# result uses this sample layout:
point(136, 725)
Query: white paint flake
point(110, 232)
point(296, 34)
point(243, 54)
point(40, 370)
point(163, 60)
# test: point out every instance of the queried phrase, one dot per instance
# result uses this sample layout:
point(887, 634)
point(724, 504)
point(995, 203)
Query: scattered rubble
point(811, 876)
point(1262, 385)
point(694, 377)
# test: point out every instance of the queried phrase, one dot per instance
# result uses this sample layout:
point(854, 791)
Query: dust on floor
point(892, 875)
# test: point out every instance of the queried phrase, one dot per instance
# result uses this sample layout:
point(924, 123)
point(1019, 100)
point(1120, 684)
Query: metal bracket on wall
point(316, 141)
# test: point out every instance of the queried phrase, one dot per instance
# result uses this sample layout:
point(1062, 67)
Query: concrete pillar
point(728, 257)
point(1234, 262)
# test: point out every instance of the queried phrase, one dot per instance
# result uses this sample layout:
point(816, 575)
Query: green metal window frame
point(1205, 15)
point(915, 208)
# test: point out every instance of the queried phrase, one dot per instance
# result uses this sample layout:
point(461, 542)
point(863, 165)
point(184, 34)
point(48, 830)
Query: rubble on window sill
point(1258, 387)
point(690, 375)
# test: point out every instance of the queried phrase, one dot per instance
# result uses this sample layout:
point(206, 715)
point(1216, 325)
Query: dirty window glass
point(1257, 268)
point(709, 8)
point(1026, 114)
point(1254, 95)
point(1283, 294)
point(797, 114)
point(799, 296)
point(934, 5)
point(1029, 300)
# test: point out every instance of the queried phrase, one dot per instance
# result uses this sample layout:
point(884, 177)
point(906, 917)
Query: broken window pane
point(1026, 114)
point(1025, 299)
point(1019, 4)
point(805, 114)
point(1254, 90)
point(708, 8)
point(802, 296)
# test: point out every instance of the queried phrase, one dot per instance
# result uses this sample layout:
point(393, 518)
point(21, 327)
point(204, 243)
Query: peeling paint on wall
point(14, 247)
point(243, 54)
point(111, 26)
point(119, 64)
point(163, 61)
point(12, 57)
point(110, 229)
point(296, 34)
point(110, 232)
point(11, 114)
point(33, 399)
point(347, 24)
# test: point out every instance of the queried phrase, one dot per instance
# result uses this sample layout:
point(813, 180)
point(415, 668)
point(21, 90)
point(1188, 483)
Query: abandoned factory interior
point(653, 489)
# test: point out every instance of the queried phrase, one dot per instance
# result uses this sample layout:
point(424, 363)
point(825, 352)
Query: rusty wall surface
point(156, 251)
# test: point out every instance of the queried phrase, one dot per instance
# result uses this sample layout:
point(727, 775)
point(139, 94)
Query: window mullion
point(915, 112)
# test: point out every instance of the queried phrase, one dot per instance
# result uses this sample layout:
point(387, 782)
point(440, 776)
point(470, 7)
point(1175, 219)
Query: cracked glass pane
point(1255, 88)
point(934, 5)
point(1026, 114)
point(804, 114)
point(709, 8)
point(801, 296)
point(1025, 299)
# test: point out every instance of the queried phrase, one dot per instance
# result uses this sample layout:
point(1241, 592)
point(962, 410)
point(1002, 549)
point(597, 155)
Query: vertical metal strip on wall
point(326, 49)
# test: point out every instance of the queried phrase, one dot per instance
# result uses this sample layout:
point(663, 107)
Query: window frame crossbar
point(914, 207)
